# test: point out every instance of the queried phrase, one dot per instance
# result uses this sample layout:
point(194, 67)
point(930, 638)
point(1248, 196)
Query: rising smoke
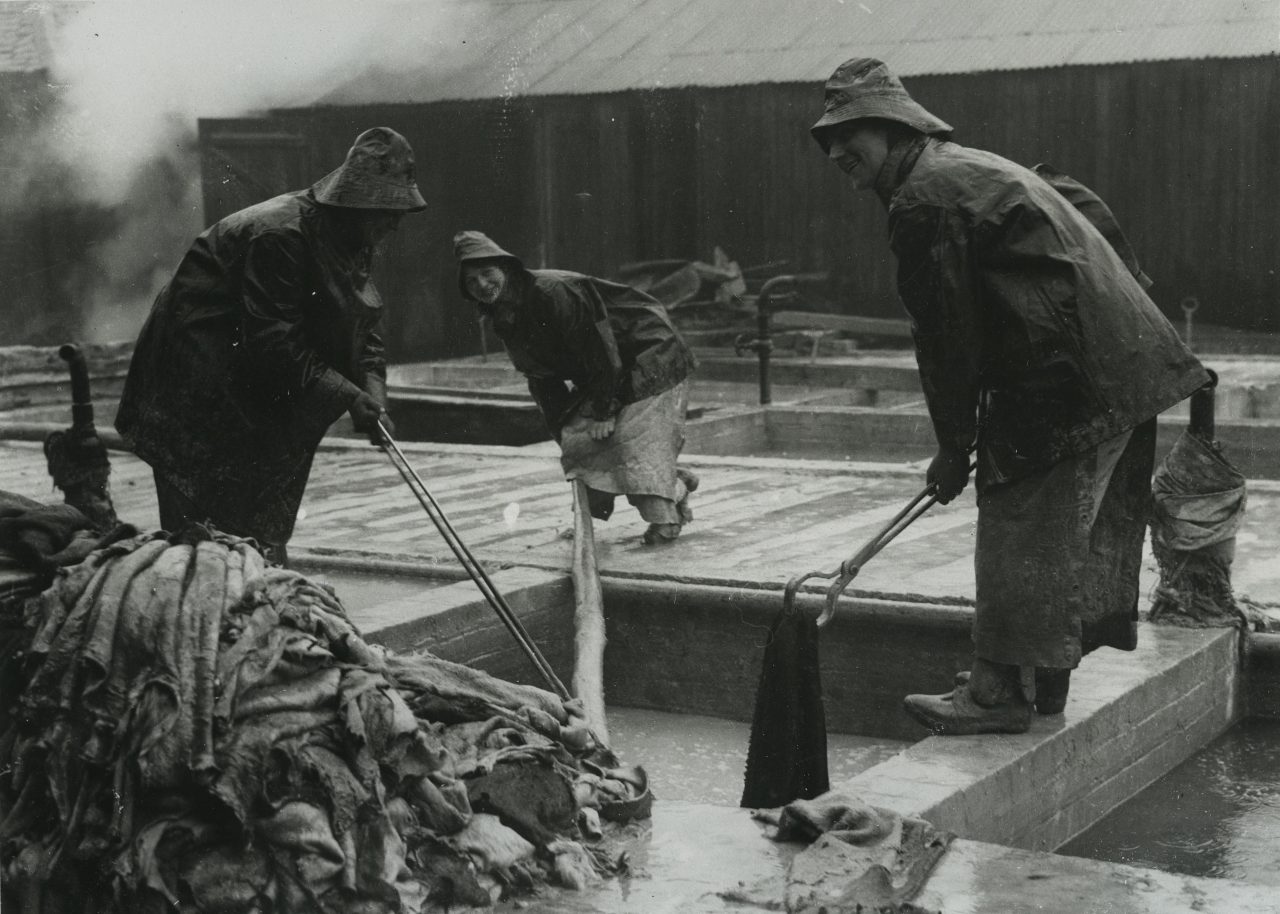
point(109, 161)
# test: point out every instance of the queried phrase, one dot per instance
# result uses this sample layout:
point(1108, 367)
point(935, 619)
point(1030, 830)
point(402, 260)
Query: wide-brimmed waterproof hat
point(377, 174)
point(864, 87)
point(471, 246)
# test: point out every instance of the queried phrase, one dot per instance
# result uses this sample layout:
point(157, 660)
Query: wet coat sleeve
point(373, 367)
point(273, 333)
point(584, 324)
point(555, 400)
point(937, 283)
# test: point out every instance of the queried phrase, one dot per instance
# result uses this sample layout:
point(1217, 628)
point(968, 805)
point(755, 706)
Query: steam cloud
point(116, 157)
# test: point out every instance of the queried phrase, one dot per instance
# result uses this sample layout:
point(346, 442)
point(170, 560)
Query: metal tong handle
point(473, 568)
point(850, 567)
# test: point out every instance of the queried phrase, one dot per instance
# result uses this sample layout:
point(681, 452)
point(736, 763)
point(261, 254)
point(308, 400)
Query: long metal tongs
point(850, 567)
point(473, 568)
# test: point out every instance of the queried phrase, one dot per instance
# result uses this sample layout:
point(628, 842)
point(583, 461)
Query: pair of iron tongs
point(850, 567)
point(473, 568)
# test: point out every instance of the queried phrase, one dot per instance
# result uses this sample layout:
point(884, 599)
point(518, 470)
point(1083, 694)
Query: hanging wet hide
point(787, 755)
point(1198, 505)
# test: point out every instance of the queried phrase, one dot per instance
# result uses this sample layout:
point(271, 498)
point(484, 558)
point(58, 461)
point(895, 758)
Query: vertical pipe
point(1202, 409)
point(1190, 305)
point(81, 400)
point(764, 344)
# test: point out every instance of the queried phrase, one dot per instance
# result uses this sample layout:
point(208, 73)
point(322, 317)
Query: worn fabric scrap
point(859, 858)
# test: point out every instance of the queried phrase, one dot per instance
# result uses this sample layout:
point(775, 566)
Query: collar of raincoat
point(898, 164)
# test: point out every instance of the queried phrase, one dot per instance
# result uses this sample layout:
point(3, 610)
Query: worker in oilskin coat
point(1038, 346)
point(265, 335)
point(607, 369)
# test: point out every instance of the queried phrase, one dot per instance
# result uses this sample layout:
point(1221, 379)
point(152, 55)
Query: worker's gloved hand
point(600, 429)
point(365, 412)
point(948, 473)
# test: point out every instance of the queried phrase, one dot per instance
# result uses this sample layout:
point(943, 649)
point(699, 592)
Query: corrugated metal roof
point(541, 47)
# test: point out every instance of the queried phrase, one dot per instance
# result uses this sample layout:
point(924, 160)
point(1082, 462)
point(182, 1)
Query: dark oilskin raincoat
point(1033, 336)
point(615, 344)
point(264, 336)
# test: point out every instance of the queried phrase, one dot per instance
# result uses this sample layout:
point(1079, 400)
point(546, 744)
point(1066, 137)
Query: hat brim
point(341, 187)
point(889, 107)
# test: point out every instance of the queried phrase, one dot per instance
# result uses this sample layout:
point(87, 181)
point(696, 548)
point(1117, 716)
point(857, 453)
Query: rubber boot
point(991, 701)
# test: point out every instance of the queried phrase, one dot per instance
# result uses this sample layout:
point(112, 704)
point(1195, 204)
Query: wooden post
point(588, 617)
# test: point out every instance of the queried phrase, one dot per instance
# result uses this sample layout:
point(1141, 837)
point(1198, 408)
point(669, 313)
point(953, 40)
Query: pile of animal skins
point(195, 731)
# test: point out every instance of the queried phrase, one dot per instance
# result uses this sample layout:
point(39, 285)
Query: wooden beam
point(848, 323)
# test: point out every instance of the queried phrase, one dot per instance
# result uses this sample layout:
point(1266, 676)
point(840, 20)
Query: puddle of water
point(1217, 814)
point(695, 759)
point(698, 843)
point(679, 860)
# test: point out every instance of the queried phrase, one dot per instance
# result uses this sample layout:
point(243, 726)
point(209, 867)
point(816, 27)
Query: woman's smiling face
point(485, 282)
point(859, 149)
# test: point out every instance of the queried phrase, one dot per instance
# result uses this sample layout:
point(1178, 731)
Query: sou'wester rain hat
point(377, 174)
point(471, 246)
point(864, 87)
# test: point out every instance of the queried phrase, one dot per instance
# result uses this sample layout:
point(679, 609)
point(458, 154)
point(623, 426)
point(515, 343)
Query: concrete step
point(1130, 719)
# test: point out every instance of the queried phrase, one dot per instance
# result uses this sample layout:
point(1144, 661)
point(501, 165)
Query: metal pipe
point(1202, 422)
point(81, 399)
point(764, 346)
point(1190, 305)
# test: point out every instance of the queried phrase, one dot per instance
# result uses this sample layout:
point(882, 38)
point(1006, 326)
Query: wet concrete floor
point(757, 521)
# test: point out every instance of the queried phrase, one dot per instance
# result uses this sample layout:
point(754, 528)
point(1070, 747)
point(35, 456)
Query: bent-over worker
point(1038, 346)
point(265, 335)
point(607, 369)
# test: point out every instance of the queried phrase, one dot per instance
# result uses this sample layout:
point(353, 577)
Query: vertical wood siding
point(591, 182)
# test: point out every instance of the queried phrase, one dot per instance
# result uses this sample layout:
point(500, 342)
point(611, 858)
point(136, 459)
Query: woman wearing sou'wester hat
point(607, 369)
point(267, 333)
point(1038, 348)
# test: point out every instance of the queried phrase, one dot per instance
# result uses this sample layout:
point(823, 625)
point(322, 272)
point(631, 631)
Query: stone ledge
point(455, 623)
point(1134, 716)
